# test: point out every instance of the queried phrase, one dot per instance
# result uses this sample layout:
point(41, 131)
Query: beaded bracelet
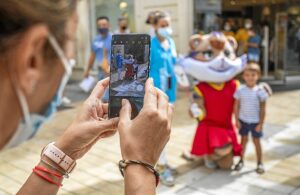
point(124, 163)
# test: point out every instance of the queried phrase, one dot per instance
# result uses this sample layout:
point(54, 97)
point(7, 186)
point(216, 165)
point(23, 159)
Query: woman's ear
point(30, 58)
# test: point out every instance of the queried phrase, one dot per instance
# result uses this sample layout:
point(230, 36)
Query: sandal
point(260, 168)
point(239, 166)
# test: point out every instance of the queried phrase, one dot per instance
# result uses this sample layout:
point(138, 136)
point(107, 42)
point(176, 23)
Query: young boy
point(250, 111)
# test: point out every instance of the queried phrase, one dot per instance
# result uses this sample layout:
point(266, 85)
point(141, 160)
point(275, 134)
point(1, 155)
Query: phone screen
point(129, 70)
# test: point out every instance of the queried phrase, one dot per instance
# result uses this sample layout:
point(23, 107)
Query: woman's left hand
point(89, 125)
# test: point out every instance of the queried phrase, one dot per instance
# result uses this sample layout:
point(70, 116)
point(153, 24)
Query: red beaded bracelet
point(46, 178)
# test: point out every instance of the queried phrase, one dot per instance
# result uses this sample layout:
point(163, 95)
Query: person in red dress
point(213, 61)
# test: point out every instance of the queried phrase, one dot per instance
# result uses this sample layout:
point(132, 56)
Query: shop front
point(279, 27)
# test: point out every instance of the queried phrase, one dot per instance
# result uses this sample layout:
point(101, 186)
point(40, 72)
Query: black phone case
point(118, 37)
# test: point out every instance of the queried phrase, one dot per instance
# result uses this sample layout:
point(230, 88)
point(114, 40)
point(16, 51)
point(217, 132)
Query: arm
point(237, 113)
point(255, 45)
point(139, 180)
point(90, 64)
point(144, 141)
point(199, 100)
point(77, 140)
point(262, 115)
point(36, 185)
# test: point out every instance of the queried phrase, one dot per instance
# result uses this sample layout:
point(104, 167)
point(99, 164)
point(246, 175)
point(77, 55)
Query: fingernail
point(123, 102)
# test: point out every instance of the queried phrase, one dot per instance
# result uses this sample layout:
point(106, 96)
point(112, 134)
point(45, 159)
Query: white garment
point(165, 44)
point(250, 99)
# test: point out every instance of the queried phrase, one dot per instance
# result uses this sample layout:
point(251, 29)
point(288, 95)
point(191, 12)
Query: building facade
point(279, 22)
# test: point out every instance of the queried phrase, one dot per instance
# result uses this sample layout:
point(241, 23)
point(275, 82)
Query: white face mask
point(165, 32)
point(220, 69)
point(248, 25)
point(227, 27)
point(32, 121)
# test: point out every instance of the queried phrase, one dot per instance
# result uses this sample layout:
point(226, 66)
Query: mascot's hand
point(196, 112)
point(266, 87)
point(181, 78)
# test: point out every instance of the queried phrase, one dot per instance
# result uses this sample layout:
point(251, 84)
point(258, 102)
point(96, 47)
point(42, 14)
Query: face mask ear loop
point(60, 53)
point(24, 106)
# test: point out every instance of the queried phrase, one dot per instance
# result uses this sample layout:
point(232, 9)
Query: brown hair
point(252, 66)
point(159, 15)
point(17, 16)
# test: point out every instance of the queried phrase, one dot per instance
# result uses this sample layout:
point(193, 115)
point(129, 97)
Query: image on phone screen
point(129, 70)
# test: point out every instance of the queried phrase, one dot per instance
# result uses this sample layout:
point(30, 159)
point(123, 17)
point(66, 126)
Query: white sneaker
point(65, 101)
point(210, 164)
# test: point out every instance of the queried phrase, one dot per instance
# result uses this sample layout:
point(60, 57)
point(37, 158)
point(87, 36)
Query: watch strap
point(59, 157)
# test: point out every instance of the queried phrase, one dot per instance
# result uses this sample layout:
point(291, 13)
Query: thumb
point(125, 113)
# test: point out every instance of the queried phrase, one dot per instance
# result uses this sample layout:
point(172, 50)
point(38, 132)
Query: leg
point(260, 167)
point(240, 164)
point(166, 175)
point(258, 149)
point(244, 144)
point(226, 162)
point(221, 152)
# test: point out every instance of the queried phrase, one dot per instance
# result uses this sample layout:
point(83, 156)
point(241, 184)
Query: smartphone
point(129, 70)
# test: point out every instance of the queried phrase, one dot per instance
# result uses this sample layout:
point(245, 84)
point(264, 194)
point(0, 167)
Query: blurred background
point(279, 22)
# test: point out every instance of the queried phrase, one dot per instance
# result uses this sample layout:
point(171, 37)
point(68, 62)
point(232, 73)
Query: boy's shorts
point(250, 127)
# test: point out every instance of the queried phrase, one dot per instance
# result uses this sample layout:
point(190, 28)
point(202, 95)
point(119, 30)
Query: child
point(250, 110)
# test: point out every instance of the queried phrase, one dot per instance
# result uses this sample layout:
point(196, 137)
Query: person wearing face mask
point(162, 62)
point(101, 51)
point(242, 37)
point(227, 29)
point(122, 26)
point(36, 41)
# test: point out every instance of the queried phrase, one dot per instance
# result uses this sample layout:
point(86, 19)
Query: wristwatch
point(59, 157)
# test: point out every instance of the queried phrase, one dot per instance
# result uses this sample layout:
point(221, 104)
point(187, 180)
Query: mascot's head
point(212, 58)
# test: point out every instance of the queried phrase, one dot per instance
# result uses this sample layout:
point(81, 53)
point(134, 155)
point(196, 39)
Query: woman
point(163, 59)
point(36, 39)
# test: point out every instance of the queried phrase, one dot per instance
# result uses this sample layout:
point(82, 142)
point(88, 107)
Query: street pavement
point(97, 172)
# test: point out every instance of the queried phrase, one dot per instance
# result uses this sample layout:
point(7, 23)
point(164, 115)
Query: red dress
point(216, 129)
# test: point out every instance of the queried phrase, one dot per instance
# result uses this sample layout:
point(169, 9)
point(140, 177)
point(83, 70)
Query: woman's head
point(29, 64)
point(161, 23)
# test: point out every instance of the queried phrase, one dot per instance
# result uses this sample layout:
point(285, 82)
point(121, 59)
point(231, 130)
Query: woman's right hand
point(144, 137)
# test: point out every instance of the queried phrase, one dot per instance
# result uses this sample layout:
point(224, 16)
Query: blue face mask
point(103, 31)
point(165, 32)
point(31, 122)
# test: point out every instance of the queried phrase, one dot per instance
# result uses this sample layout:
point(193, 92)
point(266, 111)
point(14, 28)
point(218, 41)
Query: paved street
point(97, 172)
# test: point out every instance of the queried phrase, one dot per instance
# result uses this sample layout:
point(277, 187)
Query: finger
point(105, 108)
point(170, 115)
point(99, 108)
point(99, 90)
point(94, 113)
point(150, 99)
point(163, 103)
point(125, 113)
